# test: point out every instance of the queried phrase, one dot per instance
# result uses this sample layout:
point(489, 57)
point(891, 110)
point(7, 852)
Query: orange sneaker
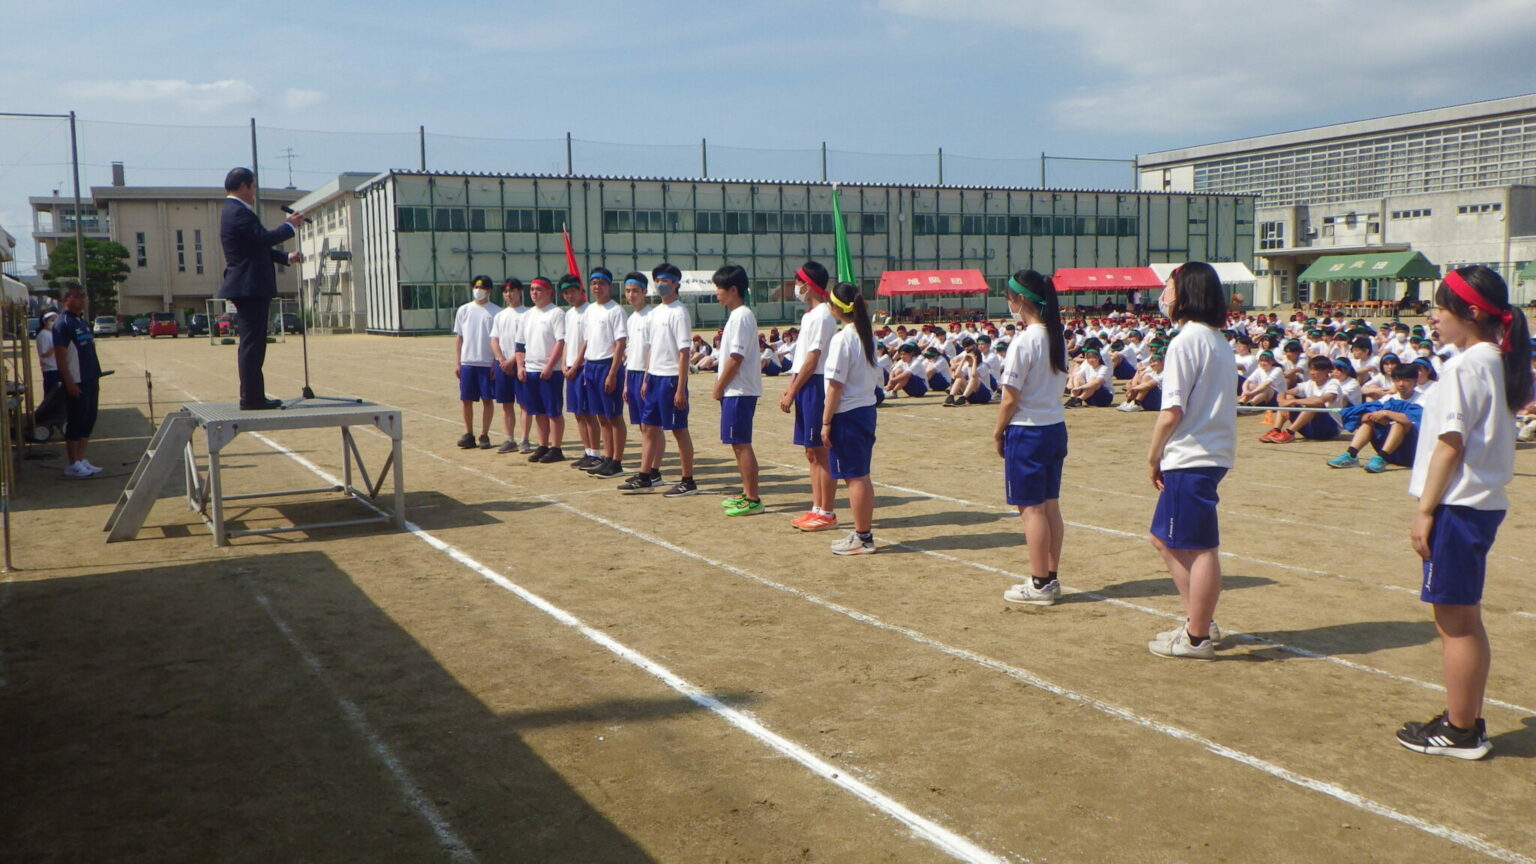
point(1284, 436)
point(798, 520)
point(1269, 436)
point(818, 522)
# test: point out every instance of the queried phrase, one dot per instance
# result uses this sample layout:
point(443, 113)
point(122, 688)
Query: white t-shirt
point(45, 356)
point(816, 329)
point(604, 326)
point(1246, 363)
point(1275, 378)
point(767, 356)
point(575, 332)
point(1197, 378)
point(542, 330)
point(785, 351)
point(994, 364)
point(472, 324)
point(740, 337)
point(1027, 369)
point(638, 327)
point(1350, 388)
point(671, 331)
point(1310, 389)
point(1469, 399)
point(846, 364)
point(506, 329)
point(1103, 373)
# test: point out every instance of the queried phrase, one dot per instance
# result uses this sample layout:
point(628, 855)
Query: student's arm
point(728, 371)
point(807, 369)
point(458, 351)
point(555, 354)
point(1167, 420)
point(620, 348)
point(522, 361)
point(834, 398)
point(66, 372)
point(1443, 462)
point(1005, 411)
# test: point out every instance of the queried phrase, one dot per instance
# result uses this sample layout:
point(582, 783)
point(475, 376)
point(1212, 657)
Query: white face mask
point(1423, 352)
point(482, 295)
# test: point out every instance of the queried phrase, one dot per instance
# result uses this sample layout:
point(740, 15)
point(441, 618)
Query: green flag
point(844, 257)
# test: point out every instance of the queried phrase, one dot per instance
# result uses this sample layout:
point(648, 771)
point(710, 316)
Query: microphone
point(290, 211)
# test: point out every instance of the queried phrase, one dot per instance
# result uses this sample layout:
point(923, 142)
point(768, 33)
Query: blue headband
point(634, 282)
point(600, 276)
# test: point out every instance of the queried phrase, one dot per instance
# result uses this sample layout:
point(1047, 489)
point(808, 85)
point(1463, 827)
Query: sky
point(168, 87)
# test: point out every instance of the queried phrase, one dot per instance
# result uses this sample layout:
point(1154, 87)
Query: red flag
point(570, 254)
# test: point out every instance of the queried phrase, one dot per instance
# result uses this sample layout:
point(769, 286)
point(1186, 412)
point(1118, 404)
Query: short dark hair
point(1406, 370)
point(636, 275)
point(1320, 362)
point(818, 274)
point(601, 271)
point(570, 280)
point(512, 284)
point(732, 276)
point(1197, 295)
point(669, 270)
point(238, 177)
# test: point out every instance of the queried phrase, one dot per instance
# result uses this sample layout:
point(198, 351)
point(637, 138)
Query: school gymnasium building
point(421, 237)
point(1366, 210)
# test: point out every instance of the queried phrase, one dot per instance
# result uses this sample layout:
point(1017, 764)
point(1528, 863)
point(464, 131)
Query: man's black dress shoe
point(263, 405)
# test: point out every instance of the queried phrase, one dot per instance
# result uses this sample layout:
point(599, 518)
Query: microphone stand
point(308, 394)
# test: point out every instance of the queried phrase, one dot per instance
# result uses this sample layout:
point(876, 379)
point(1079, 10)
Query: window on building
point(141, 251)
point(197, 250)
point(414, 297)
point(181, 253)
point(709, 222)
point(821, 223)
point(738, 223)
point(765, 223)
point(792, 223)
point(553, 221)
point(872, 223)
point(1480, 208)
point(484, 219)
point(521, 221)
point(450, 219)
point(615, 221)
point(413, 218)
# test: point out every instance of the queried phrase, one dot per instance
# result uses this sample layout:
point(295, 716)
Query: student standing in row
point(636, 287)
point(74, 351)
point(504, 339)
point(665, 389)
point(738, 385)
point(540, 358)
point(1463, 465)
point(806, 395)
point(603, 371)
point(848, 417)
point(473, 361)
point(1194, 443)
point(575, 337)
point(1031, 432)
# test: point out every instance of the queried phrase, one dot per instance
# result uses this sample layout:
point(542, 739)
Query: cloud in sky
point(1206, 66)
point(297, 100)
point(208, 97)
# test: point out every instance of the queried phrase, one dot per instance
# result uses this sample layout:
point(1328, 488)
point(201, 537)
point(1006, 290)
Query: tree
point(106, 264)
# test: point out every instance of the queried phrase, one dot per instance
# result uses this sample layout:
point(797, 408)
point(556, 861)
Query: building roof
point(1318, 134)
point(347, 181)
point(620, 178)
point(182, 193)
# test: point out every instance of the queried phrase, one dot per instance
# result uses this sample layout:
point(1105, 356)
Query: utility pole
point(74, 164)
point(254, 170)
point(421, 134)
point(290, 156)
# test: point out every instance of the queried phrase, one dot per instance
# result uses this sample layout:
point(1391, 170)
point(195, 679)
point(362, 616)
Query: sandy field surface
point(544, 670)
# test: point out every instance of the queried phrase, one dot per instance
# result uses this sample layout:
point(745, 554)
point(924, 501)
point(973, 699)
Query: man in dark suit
point(250, 278)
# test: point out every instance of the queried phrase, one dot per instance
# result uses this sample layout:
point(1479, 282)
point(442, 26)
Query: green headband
point(1015, 287)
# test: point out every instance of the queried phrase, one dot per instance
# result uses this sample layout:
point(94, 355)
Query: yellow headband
point(846, 307)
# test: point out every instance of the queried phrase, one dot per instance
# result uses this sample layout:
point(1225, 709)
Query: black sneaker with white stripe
point(1439, 738)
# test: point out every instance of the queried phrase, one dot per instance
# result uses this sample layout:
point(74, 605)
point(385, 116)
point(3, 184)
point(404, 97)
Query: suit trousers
point(252, 328)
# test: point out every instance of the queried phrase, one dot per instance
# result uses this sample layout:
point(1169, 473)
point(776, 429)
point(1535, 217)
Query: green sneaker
point(734, 501)
point(745, 508)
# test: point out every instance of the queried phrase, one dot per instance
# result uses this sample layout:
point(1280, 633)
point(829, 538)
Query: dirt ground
point(513, 682)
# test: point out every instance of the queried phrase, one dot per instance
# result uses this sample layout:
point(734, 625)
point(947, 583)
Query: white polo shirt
point(847, 365)
point(1027, 369)
point(740, 337)
point(605, 326)
point(542, 330)
point(1469, 399)
point(472, 324)
point(506, 329)
point(816, 330)
point(1197, 377)
point(671, 331)
point(574, 332)
point(638, 328)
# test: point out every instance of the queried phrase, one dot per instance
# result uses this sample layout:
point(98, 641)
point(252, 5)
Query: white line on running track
point(1458, 837)
point(450, 841)
point(948, 841)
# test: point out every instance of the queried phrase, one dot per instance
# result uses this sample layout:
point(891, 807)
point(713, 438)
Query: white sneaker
point(1027, 594)
point(1528, 433)
point(92, 466)
point(1127, 407)
point(852, 545)
point(1169, 634)
point(1178, 646)
point(77, 471)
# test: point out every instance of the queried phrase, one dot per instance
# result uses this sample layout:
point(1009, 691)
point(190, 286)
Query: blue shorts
point(660, 408)
point(576, 394)
point(633, 378)
point(51, 379)
point(1403, 455)
point(772, 368)
point(938, 382)
point(1032, 458)
point(1458, 555)
point(521, 388)
point(1322, 427)
point(504, 385)
point(736, 414)
point(1153, 401)
point(981, 396)
point(594, 380)
point(809, 403)
point(544, 394)
point(476, 384)
point(1101, 397)
point(915, 386)
point(1185, 517)
point(853, 442)
point(1124, 370)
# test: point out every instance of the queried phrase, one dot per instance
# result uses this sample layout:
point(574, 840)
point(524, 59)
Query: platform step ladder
point(167, 451)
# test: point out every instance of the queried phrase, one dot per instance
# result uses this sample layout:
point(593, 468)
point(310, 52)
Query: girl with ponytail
point(1464, 461)
point(1031, 432)
point(848, 418)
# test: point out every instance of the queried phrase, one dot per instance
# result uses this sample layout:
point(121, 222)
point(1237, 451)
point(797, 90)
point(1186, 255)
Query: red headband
point(810, 283)
point(1475, 299)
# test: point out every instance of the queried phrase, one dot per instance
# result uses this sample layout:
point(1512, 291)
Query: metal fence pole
point(941, 166)
point(421, 139)
point(74, 164)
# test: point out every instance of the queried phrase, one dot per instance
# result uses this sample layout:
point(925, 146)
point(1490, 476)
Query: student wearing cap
point(1093, 386)
point(602, 365)
point(46, 361)
point(738, 385)
point(1464, 463)
point(636, 293)
point(665, 390)
point(806, 394)
point(1194, 444)
point(1391, 428)
point(575, 338)
point(504, 338)
point(540, 366)
point(1378, 384)
point(906, 375)
point(1031, 431)
point(473, 361)
point(848, 415)
point(935, 368)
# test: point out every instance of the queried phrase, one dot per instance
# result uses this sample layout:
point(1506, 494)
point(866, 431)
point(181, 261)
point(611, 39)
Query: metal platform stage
point(221, 423)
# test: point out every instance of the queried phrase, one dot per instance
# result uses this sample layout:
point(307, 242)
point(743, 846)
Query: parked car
point(224, 325)
point(163, 324)
point(287, 322)
point(141, 326)
point(197, 324)
point(125, 326)
point(105, 325)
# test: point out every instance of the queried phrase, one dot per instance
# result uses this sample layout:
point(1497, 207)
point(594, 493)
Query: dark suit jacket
point(249, 259)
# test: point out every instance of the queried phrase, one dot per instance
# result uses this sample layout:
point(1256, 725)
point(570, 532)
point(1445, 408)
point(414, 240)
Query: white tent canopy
point(1229, 272)
point(15, 289)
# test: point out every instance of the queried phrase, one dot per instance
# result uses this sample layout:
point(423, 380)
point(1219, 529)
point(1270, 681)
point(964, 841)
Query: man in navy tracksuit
point(250, 278)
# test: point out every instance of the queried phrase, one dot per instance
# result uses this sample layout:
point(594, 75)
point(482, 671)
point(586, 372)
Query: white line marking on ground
point(450, 841)
point(947, 841)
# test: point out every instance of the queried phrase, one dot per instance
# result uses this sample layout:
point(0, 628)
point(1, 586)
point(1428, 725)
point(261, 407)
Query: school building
point(421, 237)
point(1456, 185)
